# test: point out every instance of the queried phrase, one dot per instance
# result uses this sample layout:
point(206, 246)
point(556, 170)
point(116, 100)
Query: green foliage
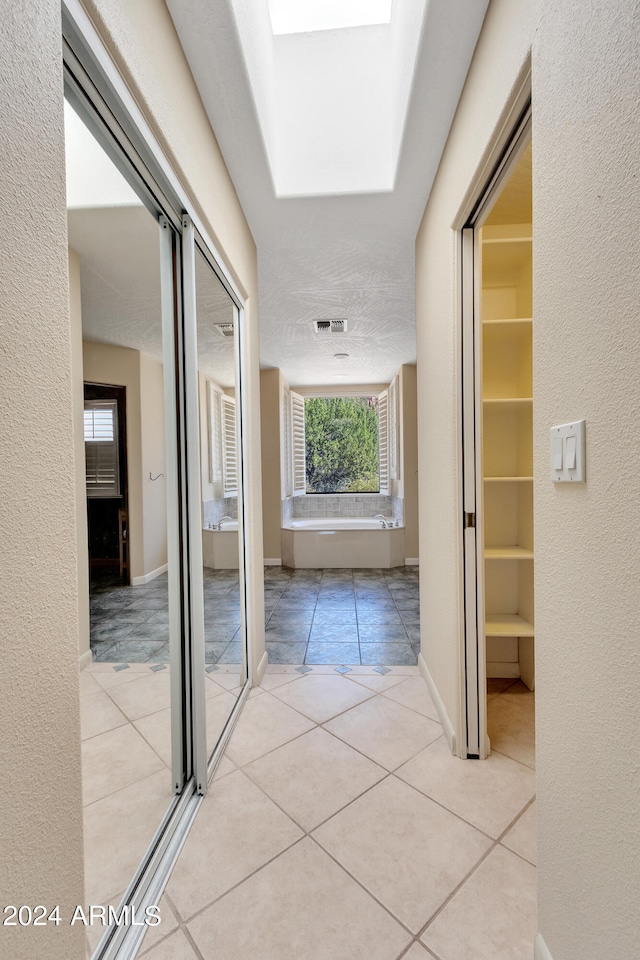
point(341, 438)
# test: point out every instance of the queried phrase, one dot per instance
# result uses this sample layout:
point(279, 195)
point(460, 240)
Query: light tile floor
point(339, 827)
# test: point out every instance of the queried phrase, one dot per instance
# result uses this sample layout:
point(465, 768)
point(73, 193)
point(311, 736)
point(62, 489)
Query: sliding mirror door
point(218, 587)
point(120, 261)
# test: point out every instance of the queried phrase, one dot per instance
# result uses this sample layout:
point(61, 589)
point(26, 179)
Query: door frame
point(474, 742)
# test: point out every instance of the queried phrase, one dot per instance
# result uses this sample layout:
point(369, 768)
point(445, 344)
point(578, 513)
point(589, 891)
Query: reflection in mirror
point(225, 647)
point(114, 262)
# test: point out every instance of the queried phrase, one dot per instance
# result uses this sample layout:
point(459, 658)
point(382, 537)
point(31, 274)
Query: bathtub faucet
point(221, 521)
point(383, 520)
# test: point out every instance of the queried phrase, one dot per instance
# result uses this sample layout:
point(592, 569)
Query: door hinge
point(469, 520)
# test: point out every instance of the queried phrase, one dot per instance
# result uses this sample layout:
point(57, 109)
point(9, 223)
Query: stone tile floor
point(342, 616)
point(330, 616)
point(338, 825)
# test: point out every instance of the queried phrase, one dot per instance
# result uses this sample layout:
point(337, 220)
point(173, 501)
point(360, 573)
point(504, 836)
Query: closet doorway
point(498, 400)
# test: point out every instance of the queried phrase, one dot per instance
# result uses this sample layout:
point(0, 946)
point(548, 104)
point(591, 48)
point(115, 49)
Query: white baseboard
point(85, 659)
point(447, 726)
point(540, 949)
point(272, 561)
point(262, 666)
point(412, 561)
point(148, 577)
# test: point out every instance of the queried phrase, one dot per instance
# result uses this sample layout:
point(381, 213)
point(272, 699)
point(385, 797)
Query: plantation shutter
point(286, 468)
point(383, 441)
point(101, 448)
point(215, 435)
point(298, 472)
point(394, 459)
point(229, 447)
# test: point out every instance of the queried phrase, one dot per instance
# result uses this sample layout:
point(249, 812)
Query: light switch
point(558, 444)
point(568, 452)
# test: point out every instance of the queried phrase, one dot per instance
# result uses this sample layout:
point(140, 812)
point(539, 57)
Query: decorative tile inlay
point(303, 669)
point(121, 666)
point(158, 666)
point(342, 669)
point(381, 670)
point(211, 668)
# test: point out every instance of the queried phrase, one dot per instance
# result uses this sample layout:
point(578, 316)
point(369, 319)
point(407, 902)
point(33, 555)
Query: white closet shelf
point(507, 625)
point(507, 403)
point(508, 553)
point(507, 321)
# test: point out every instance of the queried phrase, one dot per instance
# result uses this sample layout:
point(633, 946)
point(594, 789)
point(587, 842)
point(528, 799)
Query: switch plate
point(568, 452)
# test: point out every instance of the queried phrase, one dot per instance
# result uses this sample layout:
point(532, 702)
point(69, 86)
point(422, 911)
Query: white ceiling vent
point(226, 329)
point(330, 326)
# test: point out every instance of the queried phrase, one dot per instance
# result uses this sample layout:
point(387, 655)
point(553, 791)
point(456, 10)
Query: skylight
point(307, 16)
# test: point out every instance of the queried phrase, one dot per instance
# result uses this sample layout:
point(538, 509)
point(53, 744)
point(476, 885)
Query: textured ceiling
point(339, 256)
point(119, 249)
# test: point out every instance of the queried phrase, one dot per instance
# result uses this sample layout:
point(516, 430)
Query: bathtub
point(220, 547)
point(341, 542)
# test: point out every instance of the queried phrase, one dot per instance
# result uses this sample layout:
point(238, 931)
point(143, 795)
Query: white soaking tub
point(220, 547)
point(341, 542)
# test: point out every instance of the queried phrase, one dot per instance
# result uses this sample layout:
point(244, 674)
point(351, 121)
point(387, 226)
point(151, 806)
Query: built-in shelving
point(507, 448)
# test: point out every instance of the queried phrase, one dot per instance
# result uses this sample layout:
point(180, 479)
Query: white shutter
point(298, 472)
point(229, 447)
point(101, 448)
point(286, 469)
point(215, 434)
point(383, 441)
point(394, 472)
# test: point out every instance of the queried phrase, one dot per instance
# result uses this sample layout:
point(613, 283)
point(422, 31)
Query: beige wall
point(270, 389)
point(141, 39)
point(586, 140)
point(75, 310)
point(154, 492)
point(120, 366)
point(586, 277)
point(41, 799)
point(501, 52)
point(409, 456)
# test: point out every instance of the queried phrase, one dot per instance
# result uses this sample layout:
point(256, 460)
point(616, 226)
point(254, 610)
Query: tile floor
point(342, 616)
point(126, 765)
point(339, 826)
point(331, 616)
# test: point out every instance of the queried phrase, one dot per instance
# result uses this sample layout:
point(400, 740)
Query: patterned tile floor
point(338, 825)
point(331, 616)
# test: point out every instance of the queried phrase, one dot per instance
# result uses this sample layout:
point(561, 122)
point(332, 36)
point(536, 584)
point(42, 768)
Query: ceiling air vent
point(226, 329)
point(330, 326)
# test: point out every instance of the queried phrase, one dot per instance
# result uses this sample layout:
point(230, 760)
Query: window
point(223, 447)
point(339, 444)
point(101, 448)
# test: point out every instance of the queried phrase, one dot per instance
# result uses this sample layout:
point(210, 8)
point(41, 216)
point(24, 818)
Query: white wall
point(41, 798)
point(586, 206)
point(586, 140)
point(154, 492)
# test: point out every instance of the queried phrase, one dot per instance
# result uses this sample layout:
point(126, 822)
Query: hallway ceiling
point(327, 256)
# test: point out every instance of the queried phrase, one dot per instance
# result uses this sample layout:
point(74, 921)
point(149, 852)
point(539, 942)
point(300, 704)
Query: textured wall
point(501, 52)
point(586, 206)
point(40, 802)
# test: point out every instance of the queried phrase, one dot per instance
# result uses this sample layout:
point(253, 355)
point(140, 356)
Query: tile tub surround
point(418, 856)
point(347, 505)
point(342, 616)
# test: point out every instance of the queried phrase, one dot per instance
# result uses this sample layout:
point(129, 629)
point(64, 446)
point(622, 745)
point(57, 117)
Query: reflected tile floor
point(342, 616)
point(131, 624)
point(331, 832)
